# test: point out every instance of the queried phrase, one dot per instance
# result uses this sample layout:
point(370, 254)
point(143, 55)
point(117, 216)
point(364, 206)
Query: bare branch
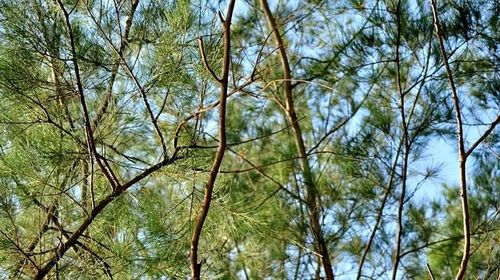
point(462, 156)
point(313, 202)
point(205, 206)
point(484, 136)
point(204, 59)
point(430, 271)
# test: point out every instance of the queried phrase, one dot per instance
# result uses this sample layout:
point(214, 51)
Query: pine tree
point(147, 139)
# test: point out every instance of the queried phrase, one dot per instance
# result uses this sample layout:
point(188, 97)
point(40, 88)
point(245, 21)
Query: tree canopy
point(245, 139)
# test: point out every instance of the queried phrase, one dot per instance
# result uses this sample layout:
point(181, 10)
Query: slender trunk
point(205, 206)
point(462, 155)
point(311, 192)
point(406, 152)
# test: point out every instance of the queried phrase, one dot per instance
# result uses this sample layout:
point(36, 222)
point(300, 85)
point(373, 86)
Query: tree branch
point(204, 59)
point(462, 157)
point(313, 202)
point(484, 136)
point(205, 206)
point(73, 239)
point(88, 128)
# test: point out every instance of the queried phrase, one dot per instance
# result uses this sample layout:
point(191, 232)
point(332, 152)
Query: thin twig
point(430, 271)
point(204, 59)
point(106, 169)
point(406, 146)
point(484, 136)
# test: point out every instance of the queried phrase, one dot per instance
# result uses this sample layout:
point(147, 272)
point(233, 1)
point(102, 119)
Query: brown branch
point(88, 128)
point(73, 239)
point(18, 248)
point(380, 211)
point(484, 136)
point(204, 59)
point(205, 206)
point(430, 271)
point(114, 70)
point(313, 202)
point(53, 216)
point(462, 156)
point(406, 145)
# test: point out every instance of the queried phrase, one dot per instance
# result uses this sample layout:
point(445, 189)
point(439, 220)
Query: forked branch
point(462, 153)
point(205, 205)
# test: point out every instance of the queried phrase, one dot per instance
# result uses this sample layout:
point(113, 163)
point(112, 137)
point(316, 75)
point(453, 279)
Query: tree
point(248, 139)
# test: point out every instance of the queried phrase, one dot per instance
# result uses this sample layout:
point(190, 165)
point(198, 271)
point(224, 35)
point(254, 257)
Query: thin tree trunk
point(406, 152)
point(224, 82)
point(311, 195)
point(462, 157)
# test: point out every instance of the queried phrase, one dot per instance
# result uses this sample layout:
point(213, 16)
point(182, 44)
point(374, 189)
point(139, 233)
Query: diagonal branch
point(430, 271)
point(18, 248)
point(73, 239)
point(484, 136)
point(108, 172)
point(204, 59)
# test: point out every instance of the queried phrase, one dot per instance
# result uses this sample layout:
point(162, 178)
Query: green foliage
point(150, 123)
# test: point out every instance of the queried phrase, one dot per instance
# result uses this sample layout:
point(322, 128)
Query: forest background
point(147, 139)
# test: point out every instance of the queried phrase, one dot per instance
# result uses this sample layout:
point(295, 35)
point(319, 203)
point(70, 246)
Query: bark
point(462, 157)
point(312, 199)
point(205, 206)
point(406, 141)
point(73, 239)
